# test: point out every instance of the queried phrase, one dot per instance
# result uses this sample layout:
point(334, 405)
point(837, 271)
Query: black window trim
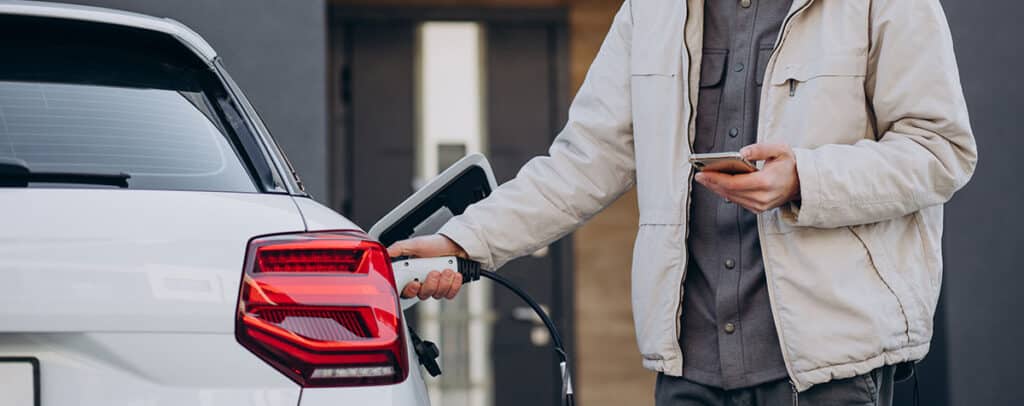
point(282, 176)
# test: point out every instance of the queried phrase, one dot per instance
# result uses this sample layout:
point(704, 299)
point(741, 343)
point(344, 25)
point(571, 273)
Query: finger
point(400, 249)
point(753, 200)
point(430, 285)
point(714, 188)
point(744, 202)
point(732, 183)
point(411, 289)
point(746, 199)
point(763, 152)
point(456, 286)
point(755, 203)
point(445, 284)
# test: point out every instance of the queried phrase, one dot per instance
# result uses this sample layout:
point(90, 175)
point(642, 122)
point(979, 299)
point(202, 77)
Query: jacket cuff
point(474, 246)
point(809, 211)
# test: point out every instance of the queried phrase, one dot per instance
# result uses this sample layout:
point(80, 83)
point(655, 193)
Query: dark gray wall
point(984, 234)
point(276, 51)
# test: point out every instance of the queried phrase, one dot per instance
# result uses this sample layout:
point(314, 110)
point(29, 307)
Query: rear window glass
point(82, 103)
point(162, 138)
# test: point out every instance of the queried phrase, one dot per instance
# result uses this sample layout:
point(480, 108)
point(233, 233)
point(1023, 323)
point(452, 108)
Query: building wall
point(982, 233)
point(610, 372)
point(276, 51)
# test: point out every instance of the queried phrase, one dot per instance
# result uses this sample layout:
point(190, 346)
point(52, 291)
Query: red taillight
point(322, 309)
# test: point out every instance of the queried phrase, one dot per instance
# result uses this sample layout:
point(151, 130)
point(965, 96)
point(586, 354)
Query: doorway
point(412, 90)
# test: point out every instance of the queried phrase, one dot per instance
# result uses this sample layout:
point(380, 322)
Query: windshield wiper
point(16, 173)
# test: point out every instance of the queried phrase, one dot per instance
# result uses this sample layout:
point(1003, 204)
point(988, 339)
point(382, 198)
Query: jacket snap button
point(730, 328)
point(730, 264)
point(745, 3)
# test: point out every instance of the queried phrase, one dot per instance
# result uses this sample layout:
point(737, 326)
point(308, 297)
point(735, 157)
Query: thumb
point(763, 152)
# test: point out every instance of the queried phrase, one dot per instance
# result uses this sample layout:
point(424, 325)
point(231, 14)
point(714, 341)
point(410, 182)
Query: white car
point(156, 247)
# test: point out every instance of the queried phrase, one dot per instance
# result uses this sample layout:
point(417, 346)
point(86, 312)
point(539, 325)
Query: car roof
point(109, 16)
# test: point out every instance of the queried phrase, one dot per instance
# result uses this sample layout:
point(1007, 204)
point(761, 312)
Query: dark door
point(372, 120)
point(525, 109)
point(373, 135)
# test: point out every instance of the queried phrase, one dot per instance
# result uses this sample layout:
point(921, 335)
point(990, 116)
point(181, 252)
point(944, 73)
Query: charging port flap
point(447, 195)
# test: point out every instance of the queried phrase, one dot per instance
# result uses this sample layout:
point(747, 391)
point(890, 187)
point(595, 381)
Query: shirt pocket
point(764, 53)
point(709, 99)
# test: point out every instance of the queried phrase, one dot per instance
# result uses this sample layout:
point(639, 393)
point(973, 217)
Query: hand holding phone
point(731, 163)
point(776, 183)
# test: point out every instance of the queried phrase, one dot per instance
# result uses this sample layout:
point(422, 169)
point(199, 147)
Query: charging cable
point(408, 270)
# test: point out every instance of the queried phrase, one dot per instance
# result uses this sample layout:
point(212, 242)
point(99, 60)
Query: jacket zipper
point(760, 217)
point(689, 181)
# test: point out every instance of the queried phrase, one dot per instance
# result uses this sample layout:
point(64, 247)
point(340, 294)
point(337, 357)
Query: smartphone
point(731, 163)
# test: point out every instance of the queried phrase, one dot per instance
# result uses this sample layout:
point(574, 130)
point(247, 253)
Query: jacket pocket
point(897, 246)
point(832, 305)
point(660, 145)
point(887, 280)
point(821, 101)
point(827, 66)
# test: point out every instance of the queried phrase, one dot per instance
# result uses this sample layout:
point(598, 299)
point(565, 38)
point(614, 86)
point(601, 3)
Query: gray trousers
point(872, 389)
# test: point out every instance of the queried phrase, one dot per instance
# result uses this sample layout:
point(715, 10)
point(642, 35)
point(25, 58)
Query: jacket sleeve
point(926, 150)
point(589, 165)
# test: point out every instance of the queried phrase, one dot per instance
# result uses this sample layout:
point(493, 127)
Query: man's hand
point(774, 185)
point(439, 284)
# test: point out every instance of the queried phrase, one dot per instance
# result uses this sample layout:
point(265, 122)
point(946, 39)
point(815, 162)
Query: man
point(806, 282)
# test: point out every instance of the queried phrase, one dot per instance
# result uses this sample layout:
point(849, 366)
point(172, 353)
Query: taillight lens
point(322, 309)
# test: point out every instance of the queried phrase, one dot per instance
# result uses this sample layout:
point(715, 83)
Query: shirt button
point(730, 264)
point(730, 328)
point(733, 132)
point(745, 3)
point(738, 68)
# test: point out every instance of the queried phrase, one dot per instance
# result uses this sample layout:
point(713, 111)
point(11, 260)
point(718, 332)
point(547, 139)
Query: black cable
point(917, 393)
point(556, 338)
point(471, 271)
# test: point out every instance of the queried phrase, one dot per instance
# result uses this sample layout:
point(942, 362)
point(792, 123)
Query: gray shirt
point(728, 336)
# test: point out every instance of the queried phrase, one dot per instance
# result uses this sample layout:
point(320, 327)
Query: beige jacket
point(868, 94)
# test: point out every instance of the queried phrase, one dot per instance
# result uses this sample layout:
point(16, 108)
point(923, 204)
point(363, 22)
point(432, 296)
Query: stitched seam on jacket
point(878, 271)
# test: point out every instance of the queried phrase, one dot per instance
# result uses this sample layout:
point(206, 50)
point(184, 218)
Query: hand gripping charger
point(449, 194)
